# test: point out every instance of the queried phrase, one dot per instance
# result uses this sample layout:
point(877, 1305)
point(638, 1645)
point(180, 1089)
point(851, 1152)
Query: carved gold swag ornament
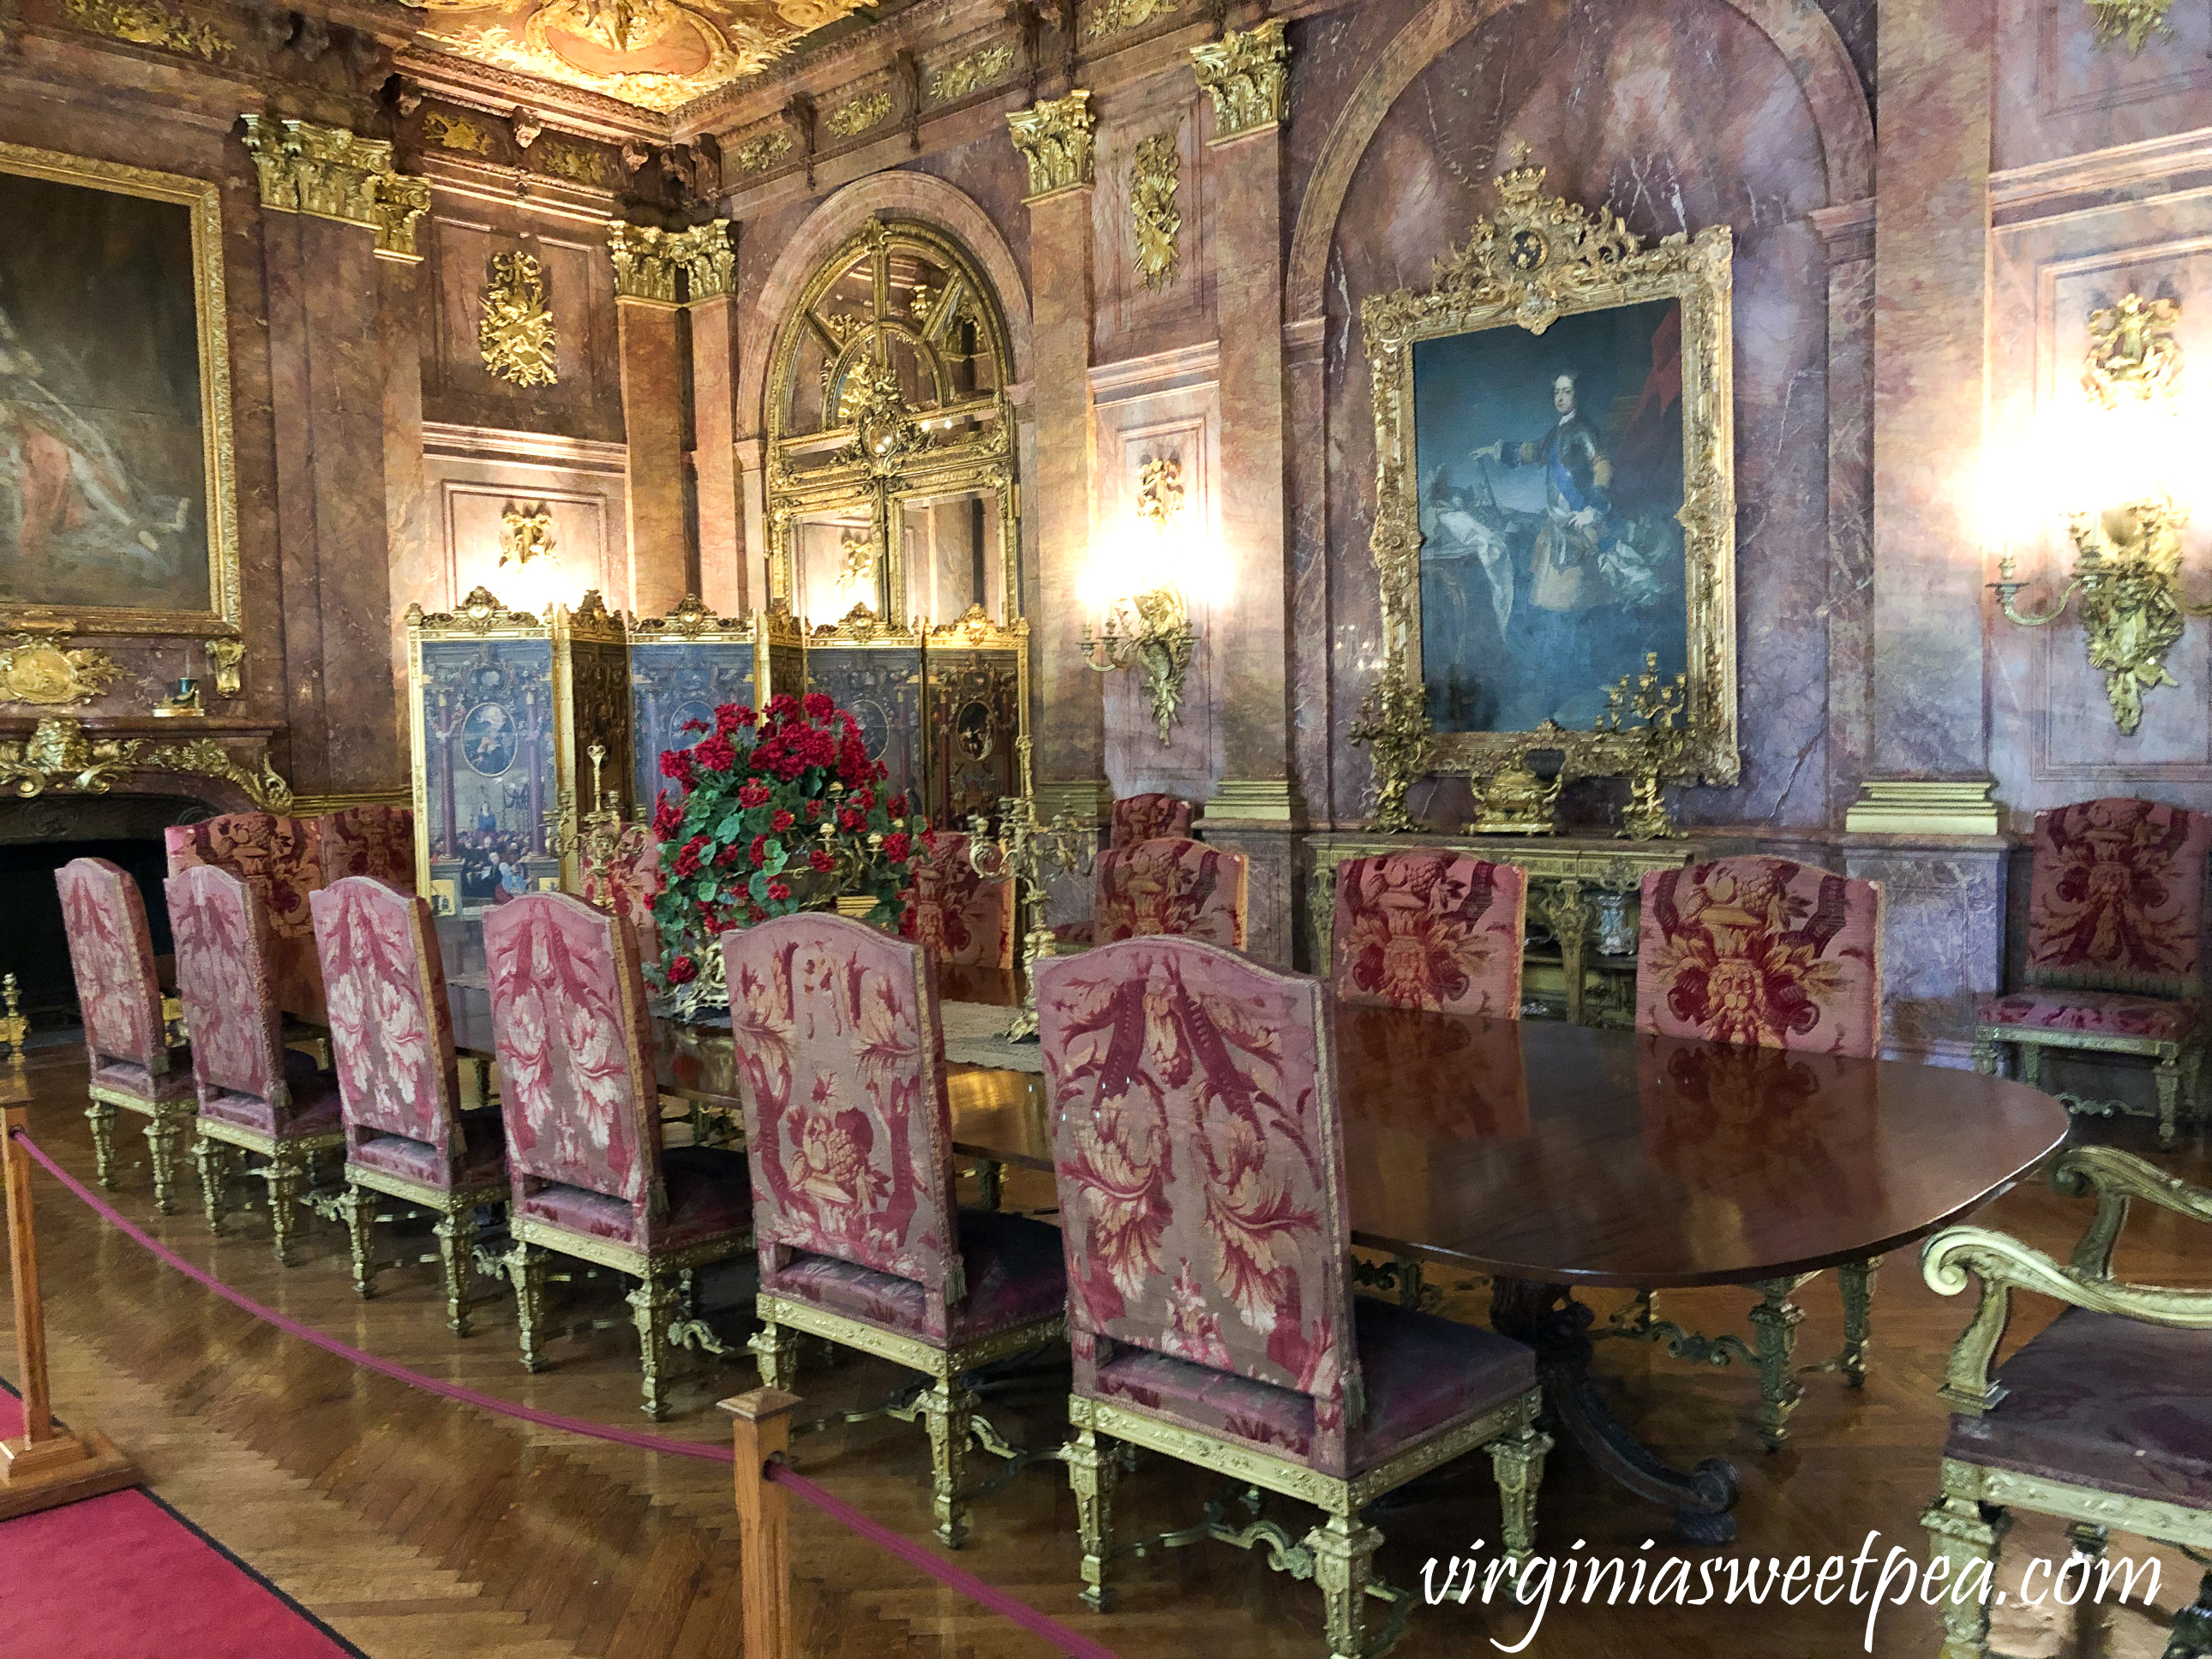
point(1152, 185)
point(515, 334)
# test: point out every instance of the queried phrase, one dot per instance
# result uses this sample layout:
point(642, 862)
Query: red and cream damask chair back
point(1761, 950)
point(576, 1074)
point(1171, 887)
point(847, 1119)
point(955, 915)
point(2117, 898)
point(368, 841)
point(1199, 1152)
point(392, 1033)
point(1435, 931)
point(282, 858)
point(229, 992)
point(112, 953)
point(1148, 817)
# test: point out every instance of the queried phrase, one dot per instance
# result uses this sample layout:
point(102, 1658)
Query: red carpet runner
point(124, 1576)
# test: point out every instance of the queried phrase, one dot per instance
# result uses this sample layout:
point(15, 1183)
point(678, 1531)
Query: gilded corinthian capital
point(646, 260)
point(331, 174)
point(1248, 73)
point(1053, 136)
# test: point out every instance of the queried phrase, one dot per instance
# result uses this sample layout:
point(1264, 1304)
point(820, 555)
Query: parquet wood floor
point(419, 1528)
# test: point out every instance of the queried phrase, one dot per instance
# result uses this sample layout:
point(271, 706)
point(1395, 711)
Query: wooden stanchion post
point(762, 1420)
point(47, 1465)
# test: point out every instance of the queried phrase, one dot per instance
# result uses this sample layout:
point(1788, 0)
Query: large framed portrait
point(118, 504)
point(1555, 496)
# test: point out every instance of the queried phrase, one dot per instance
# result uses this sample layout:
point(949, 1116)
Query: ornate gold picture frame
point(95, 462)
point(1563, 553)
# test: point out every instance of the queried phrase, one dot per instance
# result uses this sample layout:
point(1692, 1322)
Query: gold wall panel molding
point(858, 115)
point(149, 23)
point(1248, 74)
point(2133, 21)
point(647, 261)
point(2132, 350)
point(1155, 176)
point(515, 333)
point(60, 757)
point(328, 173)
point(969, 73)
point(37, 667)
point(1055, 137)
point(1111, 17)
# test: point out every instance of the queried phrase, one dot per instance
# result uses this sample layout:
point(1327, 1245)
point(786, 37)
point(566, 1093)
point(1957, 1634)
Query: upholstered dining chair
point(1172, 886)
point(2116, 957)
point(1199, 1152)
point(954, 914)
point(1764, 953)
point(135, 1066)
point(255, 1094)
point(2102, 1420)
point(392, 1037)
point(1436, 930)
point(282, 858)
point(589, 1179)
point(841, 1070)
point(1147, 817)
point(625, 879)
point(367, 841)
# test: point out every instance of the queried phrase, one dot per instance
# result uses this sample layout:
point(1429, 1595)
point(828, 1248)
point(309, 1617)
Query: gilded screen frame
point(203, 197)
point(1538, 258)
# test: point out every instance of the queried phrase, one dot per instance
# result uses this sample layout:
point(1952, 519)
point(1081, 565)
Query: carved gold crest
point(516, 333)
point(35, 668)
point(2132, 348)
point(525, 535)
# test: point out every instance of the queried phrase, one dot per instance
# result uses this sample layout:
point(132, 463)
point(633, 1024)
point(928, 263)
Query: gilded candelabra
point(1031, 851)
point(1659, 743)
point(1394, 727)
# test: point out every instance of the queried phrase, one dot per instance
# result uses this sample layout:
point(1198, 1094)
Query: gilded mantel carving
point(647, 261)
point(59, 758)
point(1054, 136)
point(331, 174)
point(1248, 72)
point(37, 667)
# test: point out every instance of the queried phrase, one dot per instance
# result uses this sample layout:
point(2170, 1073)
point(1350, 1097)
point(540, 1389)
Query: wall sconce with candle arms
point(2127, 564)
point(1146, 617)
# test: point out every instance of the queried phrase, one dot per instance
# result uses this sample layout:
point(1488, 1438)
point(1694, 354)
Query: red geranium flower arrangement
point(774, 812)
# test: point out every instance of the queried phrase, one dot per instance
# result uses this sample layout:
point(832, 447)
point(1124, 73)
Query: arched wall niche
point(1678, 114)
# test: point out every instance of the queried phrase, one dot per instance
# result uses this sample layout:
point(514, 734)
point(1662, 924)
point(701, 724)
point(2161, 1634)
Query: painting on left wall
point(116, 494)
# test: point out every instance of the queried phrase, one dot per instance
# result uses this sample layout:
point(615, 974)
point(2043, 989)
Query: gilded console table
point(1566, 875)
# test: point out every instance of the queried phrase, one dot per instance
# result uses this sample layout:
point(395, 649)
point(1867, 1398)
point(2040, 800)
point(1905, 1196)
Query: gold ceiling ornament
point(1054, 137)
point(1111, 17)
point(646, 260)
point(1153, 181)
point(456, 132)
point(1659, 739)
point(758, 155)
point(228, 656)
point(515, 331)
point(1393, 725)
point(2132, 349)
point(149, 23)
point(1248, 73)
point(36, 667)
point(328, 173)
point(1535, 258)
point(857, 115)
point(971, 73)
point(525, 535)
point(2132, 20)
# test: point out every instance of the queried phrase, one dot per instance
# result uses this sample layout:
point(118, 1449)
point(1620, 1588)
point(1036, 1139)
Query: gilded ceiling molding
point(858, 115)
point(1054, 136)
point(515, 333)
point(456, 132)
point(1111, 17)
point(149, 23)
point(1248, 73)
point(971, 73)
point(758, 155)
point(646, 260)
point(328, 173)
point(1153, 181)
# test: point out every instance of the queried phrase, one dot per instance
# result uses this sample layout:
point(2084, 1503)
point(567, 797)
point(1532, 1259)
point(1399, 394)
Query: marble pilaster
point(662, 569)
point(724, 580)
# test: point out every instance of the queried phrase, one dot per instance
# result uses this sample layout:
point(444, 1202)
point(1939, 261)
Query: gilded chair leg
point(1343, 1548)
point(951, 1411)
point(1987, 1057)
point(163, 1131)
point(1091, 1470)
point(2192, 1626)
point(358, 1206)
point(654, 1303)
point(1517, 1460)
point(777, 1352)
point(2168, 1079)
point(525, 1268)
point(457, 1247)
point(1857, 1279)
point(101, 1116)
point(1774, 1331)
point(213, 1157)
point(282, 1174)
point(1963, 1532)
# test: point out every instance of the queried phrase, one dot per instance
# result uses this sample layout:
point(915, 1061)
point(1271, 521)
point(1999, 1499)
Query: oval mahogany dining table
point(1551, 1156)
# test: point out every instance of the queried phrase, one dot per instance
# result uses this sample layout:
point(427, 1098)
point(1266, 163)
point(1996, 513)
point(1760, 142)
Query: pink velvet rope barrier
point(987, 1596)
